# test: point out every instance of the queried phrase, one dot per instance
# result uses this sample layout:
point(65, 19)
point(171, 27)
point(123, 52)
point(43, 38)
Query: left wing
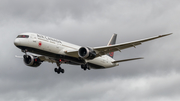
point(117, 47)
point(42, 58)
point(45, 58)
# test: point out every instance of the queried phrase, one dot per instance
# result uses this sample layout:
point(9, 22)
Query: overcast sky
point(91, 23)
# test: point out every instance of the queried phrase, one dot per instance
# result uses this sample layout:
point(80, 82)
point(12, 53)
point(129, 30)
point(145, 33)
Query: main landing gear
point(85, 67)
point(59, 69)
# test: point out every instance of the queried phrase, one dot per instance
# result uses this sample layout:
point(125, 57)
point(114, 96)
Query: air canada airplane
point(56, 51)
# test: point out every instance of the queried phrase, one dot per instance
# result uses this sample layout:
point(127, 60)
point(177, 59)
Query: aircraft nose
point(17, 42)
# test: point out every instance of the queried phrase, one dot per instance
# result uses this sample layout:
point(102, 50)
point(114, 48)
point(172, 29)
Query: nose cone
point(17, 42)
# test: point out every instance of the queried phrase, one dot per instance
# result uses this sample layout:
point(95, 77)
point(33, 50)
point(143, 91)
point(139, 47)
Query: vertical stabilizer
point(112, 41)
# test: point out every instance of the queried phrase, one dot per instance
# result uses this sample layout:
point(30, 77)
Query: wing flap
point(44, 58)
point(113, 48)
point(72, 53)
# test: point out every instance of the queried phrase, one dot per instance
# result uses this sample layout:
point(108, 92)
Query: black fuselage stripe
point(71, 60)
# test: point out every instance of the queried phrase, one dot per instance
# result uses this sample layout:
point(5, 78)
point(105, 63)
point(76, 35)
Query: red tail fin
point(112, 41)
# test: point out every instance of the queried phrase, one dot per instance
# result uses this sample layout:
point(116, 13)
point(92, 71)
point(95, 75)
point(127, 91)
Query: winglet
point(165, 35)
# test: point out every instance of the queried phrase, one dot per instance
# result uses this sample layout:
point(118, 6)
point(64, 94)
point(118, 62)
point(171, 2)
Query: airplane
point(44, 48)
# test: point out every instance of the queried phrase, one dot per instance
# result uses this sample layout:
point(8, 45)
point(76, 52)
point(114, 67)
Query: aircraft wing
point(45, 58)
point(127, 60)
point(42, 58)
point(117, 47)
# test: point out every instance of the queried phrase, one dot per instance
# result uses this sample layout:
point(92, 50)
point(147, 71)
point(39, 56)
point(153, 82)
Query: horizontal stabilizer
point(20, 57)
point(127, 60)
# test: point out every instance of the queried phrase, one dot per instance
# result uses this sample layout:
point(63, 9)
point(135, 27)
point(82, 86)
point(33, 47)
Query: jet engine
point(86, 53)
point(31, 60)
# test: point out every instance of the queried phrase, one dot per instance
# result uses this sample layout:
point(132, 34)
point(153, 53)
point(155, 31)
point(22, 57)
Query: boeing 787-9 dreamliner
point(60, 52)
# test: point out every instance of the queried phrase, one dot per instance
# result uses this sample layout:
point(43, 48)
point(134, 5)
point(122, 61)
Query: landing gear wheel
point(84, 67)
point(62, 70)
point(59, 69)
point(58, 72)
point(55, 69)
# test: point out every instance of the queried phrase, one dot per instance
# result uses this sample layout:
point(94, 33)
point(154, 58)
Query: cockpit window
point(23, 36)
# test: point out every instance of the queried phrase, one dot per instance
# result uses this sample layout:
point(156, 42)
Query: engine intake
point(32, 61)
point(86, 53)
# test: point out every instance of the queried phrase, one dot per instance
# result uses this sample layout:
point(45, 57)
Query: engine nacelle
point(32, 61)
point(86, 53)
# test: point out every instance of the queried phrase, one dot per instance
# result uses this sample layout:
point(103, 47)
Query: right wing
point(103, 50)
point(118, 47)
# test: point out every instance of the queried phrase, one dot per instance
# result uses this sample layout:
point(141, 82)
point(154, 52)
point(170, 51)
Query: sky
point(92, 23)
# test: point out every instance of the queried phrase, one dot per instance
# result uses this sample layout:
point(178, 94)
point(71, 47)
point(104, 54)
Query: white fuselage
point(55, 46)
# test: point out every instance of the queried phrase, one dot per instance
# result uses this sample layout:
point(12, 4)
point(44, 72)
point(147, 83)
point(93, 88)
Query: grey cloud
point(53, 11)
point(91, 23)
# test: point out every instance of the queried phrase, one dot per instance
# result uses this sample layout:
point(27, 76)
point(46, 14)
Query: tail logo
point(112, 41)
point(111, 54)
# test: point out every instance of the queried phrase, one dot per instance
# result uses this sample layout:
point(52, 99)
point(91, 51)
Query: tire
point(58, 72)
point(62, 70)
point(55, 69)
